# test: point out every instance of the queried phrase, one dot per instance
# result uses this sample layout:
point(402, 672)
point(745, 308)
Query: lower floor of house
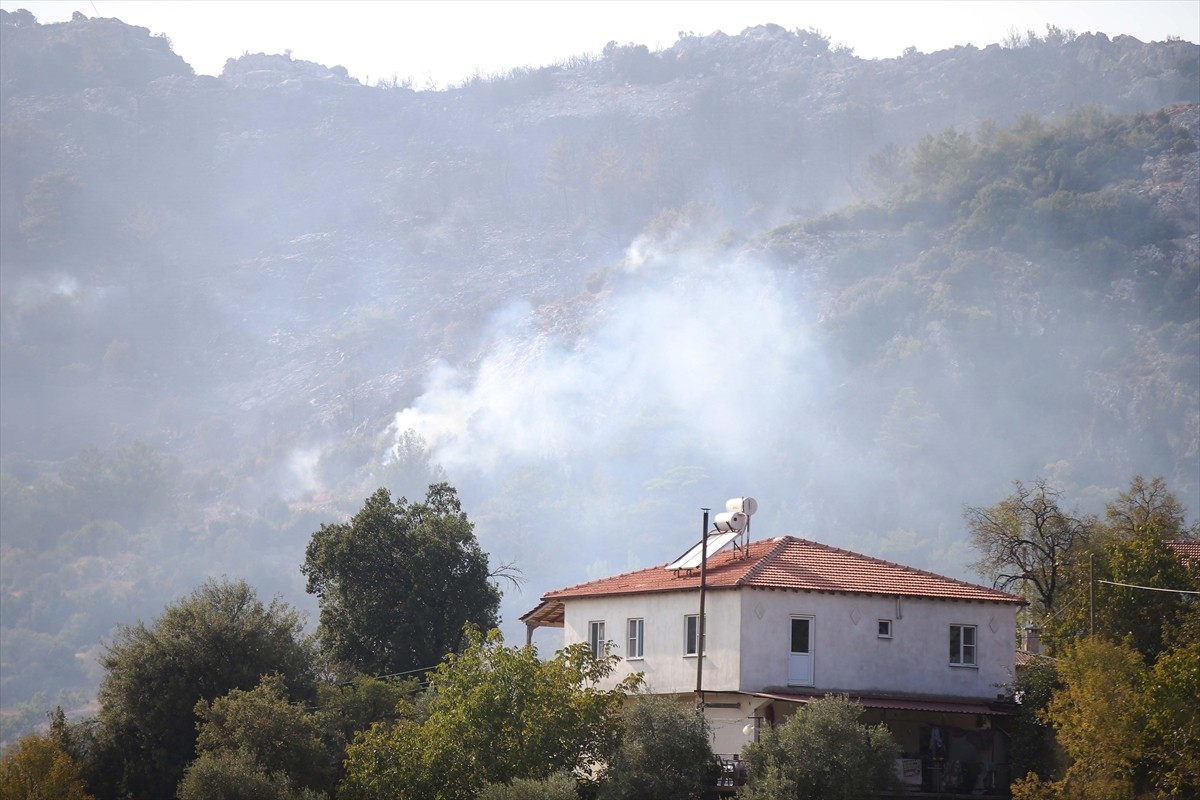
point(948, 746)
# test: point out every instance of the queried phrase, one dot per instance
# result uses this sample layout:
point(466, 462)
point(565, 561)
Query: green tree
point(1097, 717)
point(396, 584)
point(559, 786)
point(219, 638)
point(236, 775)
point(1172, 718)
point(821, 752)
point(280, 735)
point(495, 714)
point(37, 768)
point(1033, 738)
point(1026, 541)
point(663, 751)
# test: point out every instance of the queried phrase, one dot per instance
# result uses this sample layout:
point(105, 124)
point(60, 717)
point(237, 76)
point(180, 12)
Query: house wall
point(748, 633)
point(848, 654)
point(667, 670)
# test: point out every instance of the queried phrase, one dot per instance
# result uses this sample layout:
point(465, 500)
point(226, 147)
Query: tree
point(1097, 718)
point(281, 736)
point(1148, 503)
point(821, 752)
point(37, 768)
point(1026, 541)
point(495, 714)
point(1033, 738)
point(396, 584)
point(663, 751)
point(236, 775)
point(559, 786)
point(1172, 715)
point(219, 638)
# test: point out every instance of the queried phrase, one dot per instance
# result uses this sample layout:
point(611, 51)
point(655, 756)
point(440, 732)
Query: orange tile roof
point(1187, 550)
point(791, 563)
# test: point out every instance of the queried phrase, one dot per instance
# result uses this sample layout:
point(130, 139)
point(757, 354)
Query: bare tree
point(1026, 541)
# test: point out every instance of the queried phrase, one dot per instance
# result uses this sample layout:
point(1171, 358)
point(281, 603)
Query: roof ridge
point(780, 543)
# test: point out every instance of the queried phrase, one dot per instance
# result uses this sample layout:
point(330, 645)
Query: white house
point(788, 620)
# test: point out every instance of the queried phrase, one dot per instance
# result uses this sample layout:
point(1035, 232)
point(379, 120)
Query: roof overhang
point(937, 705)
point(548, 614)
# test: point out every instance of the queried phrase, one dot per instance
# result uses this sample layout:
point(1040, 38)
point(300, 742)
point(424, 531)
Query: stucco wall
point(666, 668)
point(848, 654)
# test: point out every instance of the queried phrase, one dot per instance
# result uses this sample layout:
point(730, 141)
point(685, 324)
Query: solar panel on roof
point(691, 559)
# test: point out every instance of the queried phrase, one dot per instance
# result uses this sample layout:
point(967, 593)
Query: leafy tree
point(495, 714)
point(1130, 551)
point(663, 751)
point(236, 775)
point(1097, 717)
point(397, 583)
point(352, 706)
point(219, 638)
point(1172, 718)
point(37, 768)
point(559, 786)
point(1033, 738)
point(1026, 541)
point(821, 753)
point(281, 736)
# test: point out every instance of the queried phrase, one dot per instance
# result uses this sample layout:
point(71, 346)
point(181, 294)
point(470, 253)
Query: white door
point(800, 665)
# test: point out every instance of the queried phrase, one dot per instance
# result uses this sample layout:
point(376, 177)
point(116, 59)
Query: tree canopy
point(219, 638)
point(495, 714)
point(397, 583)
point(821, 752)
point(663, 750)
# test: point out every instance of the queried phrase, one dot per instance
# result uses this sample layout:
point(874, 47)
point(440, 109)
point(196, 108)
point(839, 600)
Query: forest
point(871, 292)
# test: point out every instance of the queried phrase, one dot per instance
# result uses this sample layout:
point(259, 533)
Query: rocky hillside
point(866, 291)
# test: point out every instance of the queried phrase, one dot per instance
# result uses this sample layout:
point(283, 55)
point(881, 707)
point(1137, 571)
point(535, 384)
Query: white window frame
point(689, 641)
point(884, 629)
point(596, 638)
point(635, 638)
point(962, 652)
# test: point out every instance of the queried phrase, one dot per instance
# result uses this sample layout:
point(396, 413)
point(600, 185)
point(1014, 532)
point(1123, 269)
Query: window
point(692, 633)
point(885, 629)
point(962, 645)
point(637, 636)
point(596, 638)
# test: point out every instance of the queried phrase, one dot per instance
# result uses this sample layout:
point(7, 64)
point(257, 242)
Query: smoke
point(589, 433)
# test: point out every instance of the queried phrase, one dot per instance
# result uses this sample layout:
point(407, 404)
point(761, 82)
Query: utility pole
point(700, 621)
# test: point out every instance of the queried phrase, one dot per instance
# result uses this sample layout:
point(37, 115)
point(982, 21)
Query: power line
point(1148, 588)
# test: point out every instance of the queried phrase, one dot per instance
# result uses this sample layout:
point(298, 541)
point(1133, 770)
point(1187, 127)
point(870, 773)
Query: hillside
point(600, 295)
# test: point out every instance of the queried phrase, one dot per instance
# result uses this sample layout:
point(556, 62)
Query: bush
point(559, 786)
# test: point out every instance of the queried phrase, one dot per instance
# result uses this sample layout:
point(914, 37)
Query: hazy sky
point(446, 42)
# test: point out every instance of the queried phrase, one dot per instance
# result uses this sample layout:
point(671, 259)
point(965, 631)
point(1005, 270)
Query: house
point(788, 620)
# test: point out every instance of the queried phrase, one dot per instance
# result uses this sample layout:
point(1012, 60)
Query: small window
point(596, 638)
point(692, 634)
point(637, 634)
point(962, 645)
point(885, 629)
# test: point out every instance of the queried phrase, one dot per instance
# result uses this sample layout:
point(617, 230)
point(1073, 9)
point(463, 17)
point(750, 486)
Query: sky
point(438, 44)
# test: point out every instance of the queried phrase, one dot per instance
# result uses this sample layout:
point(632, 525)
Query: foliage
point(397, 583)
point(1172, 719)
point(219, 638)
point(37, 768)
point(496, 714)
point(1131, 551)
point(352, 706)
point(1033, 739)
point(1026, 541)
point(1097, 717)
point(236, 775)
point(663, 751)
point(557, 786)
point(821, 753)
point(281, 736)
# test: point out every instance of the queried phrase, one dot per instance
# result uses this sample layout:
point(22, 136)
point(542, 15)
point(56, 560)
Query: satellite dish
point(741, 505)
point(731, 521)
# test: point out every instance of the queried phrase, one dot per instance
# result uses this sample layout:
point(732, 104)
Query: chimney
point(1031, 640)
